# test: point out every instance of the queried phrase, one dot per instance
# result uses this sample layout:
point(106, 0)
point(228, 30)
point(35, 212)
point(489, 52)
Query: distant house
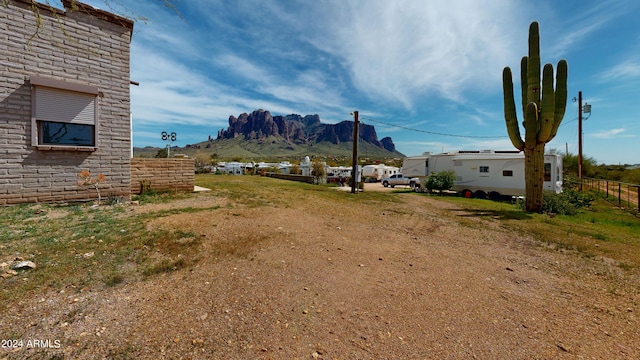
point(64, 101)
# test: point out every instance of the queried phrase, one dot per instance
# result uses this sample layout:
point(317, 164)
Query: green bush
point(557, 204)
point(632, 176)
point(572, 194)
point(440, 181)
point(568, 202)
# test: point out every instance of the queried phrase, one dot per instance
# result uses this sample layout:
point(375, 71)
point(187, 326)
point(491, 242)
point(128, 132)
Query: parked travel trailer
point(484, 173)
point(375, 173)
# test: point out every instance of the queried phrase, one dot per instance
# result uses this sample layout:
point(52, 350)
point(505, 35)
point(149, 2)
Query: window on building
point(63, 115)
point(547, 171)
point(484, 169)
point(60, 133)
point(507, 172)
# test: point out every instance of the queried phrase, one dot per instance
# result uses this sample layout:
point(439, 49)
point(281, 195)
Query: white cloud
point(575, 36)
point(611, 134)
point(399, 51)
point(310, 88)
point(242, 67)
point(629, 68)
point(589, 19)
point(394, 52)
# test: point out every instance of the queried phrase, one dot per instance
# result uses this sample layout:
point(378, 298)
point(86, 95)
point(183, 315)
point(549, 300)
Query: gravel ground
point(412, 279)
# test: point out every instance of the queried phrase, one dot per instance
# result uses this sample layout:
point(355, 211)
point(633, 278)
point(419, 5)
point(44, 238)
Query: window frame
point(61, 86)
point(547, 172)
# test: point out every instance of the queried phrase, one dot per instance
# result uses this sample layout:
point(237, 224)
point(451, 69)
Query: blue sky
point(433, 66)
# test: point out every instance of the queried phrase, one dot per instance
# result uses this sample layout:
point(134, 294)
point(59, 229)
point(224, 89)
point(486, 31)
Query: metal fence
point(627, 195)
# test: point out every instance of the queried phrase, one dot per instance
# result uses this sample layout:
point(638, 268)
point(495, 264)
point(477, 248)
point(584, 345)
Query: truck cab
point(399, 179)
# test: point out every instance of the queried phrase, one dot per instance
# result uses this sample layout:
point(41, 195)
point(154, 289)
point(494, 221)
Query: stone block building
point(64, 101)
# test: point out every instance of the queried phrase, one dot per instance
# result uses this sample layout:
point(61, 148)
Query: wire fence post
point(619, 191)
point(609, 186)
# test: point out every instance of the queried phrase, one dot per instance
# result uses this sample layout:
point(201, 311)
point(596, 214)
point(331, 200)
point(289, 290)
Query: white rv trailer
point(484, 173)
point(375, 173)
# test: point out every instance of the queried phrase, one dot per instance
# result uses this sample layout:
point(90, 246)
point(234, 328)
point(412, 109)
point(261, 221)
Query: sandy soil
point(412, 279)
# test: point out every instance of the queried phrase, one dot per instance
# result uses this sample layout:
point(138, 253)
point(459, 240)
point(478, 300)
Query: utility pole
point(580, 138)
point(354, 168)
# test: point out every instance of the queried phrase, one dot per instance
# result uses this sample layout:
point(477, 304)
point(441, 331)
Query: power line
point(568, 122)
point(451, 135)
point(433, 132)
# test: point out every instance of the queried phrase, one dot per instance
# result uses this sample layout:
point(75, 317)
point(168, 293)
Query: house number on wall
point(169, 137)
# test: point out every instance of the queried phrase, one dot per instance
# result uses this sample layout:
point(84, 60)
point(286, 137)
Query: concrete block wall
point(162, 174)
point(84, 46)
point(291, 177)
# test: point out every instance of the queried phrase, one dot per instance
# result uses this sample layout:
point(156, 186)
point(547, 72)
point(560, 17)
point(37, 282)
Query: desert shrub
point(441, 181)
point(555, 203)
point(318, 171)
point(162, 153)
point(202, 163)
point(572, 194)
point(568, 202)
point(632, 176)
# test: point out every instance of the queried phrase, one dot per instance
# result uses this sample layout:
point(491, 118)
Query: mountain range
point(260, 134)
point(260, 124)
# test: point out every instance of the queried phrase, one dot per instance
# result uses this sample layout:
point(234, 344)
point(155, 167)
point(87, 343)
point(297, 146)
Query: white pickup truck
point(398, 179)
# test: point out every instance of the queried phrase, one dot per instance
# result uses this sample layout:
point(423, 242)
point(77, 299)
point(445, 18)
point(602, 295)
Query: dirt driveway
point(408, 278)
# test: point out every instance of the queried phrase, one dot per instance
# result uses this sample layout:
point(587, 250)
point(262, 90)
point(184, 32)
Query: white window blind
point(65, 106)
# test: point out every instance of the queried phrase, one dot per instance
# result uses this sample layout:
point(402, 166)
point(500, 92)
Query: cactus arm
point(533, 66)
point(510, 115)
point(547, 111)
point(523, 82)
point(561, 96)
point(531, 126)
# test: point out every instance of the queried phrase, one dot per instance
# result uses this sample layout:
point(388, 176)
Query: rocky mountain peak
point(298, 129)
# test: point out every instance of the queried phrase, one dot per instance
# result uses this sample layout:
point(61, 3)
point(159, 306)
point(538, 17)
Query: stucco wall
point(87, 47)
point(162, 174)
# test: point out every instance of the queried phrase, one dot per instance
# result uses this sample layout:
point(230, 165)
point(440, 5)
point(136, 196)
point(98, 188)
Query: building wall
point(162, 174)
point(89, 47)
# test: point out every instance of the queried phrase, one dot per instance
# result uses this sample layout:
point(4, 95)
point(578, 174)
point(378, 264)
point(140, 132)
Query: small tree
point(441, 181)
point(86, 180)
point(161, 154)
point(202, 163)
point(570, 164)
point(317, 170)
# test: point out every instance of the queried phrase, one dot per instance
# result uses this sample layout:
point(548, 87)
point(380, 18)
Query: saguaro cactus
point(542, 111)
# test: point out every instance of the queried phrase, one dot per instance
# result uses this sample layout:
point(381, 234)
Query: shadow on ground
point(494, 214)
